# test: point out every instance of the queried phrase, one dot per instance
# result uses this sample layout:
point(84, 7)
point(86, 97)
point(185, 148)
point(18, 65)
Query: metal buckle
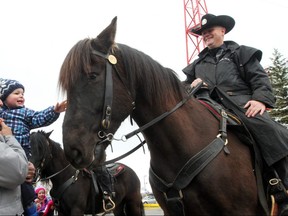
point(174, 198)
point(274, 181)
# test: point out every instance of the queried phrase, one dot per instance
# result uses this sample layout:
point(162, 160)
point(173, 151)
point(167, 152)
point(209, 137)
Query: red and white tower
point(193, 11)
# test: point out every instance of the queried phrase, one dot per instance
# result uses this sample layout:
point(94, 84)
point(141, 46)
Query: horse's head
point(41, 152)
point(91, 74)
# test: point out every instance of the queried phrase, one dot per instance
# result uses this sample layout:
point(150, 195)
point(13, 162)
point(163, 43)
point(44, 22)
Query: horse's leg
point(134, 207)
point(77, 211)
point(119, 209)
point(129, 206)
point(60, 214)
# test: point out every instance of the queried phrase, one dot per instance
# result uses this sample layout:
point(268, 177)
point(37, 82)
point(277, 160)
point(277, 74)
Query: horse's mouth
point(89, 161)
point(93, 165)
point(89, 156)
point(80, 164)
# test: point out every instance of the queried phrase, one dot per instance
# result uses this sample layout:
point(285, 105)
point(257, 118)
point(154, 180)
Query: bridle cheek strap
point(107, 109)
point(108, 97)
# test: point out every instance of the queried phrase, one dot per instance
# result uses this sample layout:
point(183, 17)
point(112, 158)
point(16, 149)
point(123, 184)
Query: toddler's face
point(41, 194)
point(15, 99)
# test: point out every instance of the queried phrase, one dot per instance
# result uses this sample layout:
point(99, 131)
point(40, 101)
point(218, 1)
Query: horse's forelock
point(77, 61)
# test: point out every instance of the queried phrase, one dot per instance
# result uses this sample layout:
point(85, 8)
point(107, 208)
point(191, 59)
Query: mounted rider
point(233, 77)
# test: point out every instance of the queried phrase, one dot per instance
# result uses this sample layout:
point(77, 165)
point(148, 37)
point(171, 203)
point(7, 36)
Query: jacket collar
point(228, 45)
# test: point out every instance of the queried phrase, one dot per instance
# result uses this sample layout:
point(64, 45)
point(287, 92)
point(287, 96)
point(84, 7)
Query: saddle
point(115, 169)
point(233, 121)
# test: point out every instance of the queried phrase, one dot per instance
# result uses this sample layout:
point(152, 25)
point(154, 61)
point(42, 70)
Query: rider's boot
point(281, 168)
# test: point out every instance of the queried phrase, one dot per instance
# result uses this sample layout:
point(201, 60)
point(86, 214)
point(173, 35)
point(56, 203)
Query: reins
point(159, 118)
point(124, 155)
point(55, 174)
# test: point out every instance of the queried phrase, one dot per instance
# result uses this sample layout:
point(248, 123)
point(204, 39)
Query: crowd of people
point(245, 90)
point(16, 123)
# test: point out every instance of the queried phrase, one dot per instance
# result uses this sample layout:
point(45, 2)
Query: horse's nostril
point(76, 155)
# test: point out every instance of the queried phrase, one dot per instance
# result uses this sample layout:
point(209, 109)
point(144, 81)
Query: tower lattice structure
point(193, 11)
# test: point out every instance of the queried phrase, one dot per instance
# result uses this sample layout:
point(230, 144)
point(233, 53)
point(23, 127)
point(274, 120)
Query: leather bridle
point(107, 106)
point(111, 62)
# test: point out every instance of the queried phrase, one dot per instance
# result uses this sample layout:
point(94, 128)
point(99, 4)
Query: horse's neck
point(190, 117)
point(59, 168)
point(180, 135)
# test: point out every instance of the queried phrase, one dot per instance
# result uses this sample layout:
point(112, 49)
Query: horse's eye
point(92, 75)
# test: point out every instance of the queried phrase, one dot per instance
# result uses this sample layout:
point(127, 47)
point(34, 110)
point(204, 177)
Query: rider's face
point(213, 37)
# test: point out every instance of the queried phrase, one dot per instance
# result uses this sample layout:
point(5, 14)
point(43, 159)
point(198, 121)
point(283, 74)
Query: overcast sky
point(36, 35)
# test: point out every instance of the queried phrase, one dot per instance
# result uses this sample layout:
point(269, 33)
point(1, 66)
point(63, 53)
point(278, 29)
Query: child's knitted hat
point(7, 86)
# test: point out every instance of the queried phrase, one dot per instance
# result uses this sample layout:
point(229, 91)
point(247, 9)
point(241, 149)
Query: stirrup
point(106, 201)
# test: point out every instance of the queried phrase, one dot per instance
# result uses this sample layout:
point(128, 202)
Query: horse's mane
point(159, 83)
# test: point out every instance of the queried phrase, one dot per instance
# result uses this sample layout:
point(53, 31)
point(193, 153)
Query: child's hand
point(60, 107)
point(38, 205)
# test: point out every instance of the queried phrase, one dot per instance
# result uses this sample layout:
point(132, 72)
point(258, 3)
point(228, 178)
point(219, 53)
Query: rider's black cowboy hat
point(210, 20)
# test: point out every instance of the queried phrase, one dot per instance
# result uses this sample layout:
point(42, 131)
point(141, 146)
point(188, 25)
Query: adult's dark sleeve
point(259, 82)
point(189, 72)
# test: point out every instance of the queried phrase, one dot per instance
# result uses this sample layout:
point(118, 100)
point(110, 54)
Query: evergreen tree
point(278, 74)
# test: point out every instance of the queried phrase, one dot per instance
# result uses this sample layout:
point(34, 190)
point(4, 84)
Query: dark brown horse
point(73, 191)
point(190, 172)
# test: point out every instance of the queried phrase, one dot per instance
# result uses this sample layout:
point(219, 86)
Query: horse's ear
point(107, 36)
point(49, 133)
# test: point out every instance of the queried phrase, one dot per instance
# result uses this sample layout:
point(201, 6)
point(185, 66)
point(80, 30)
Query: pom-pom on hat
point(7, 86)
point(210, 20)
